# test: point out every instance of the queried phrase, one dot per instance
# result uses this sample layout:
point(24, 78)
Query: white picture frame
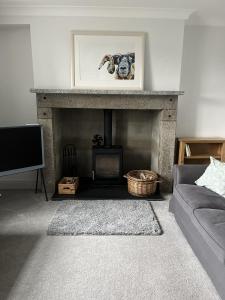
point(107, 60)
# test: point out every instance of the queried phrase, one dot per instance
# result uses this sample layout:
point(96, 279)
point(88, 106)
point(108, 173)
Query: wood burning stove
point(107, 159)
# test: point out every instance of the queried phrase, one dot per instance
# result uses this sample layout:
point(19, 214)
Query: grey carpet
point(105, 217)
point(35, 266)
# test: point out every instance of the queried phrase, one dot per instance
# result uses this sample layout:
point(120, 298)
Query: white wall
point(17, 104)
point(51, 48)
point(202, 109)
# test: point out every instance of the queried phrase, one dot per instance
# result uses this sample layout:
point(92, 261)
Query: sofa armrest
point(187, 174)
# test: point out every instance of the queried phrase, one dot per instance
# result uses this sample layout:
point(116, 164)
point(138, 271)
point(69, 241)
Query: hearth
point(107, 159)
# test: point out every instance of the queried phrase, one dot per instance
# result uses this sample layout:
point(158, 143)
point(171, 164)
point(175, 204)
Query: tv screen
point(21, 149)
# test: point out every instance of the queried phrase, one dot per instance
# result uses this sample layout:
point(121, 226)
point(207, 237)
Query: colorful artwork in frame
point(107, 60)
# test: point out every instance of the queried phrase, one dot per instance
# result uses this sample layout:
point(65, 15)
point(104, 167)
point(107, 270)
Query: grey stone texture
point(51, 105)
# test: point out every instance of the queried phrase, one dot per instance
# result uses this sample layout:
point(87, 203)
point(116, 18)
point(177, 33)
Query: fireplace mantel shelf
point(106, 92)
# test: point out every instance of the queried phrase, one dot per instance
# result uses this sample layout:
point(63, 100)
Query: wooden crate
point(68, 185)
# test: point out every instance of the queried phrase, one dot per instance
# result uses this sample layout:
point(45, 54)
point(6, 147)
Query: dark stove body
point(107, 160)
point(107, 164)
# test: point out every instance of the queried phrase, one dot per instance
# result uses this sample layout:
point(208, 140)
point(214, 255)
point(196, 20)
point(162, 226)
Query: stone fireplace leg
point(45, 119)
point(163, 146)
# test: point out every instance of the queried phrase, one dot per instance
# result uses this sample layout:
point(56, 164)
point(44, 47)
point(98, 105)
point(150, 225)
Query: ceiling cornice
point(95, 11)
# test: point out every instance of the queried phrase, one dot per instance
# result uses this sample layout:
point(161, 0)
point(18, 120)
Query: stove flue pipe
point(107, 127)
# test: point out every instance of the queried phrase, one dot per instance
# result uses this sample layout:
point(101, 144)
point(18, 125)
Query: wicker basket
point(141, 183)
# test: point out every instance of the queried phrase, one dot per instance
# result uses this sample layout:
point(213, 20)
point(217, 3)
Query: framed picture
point(107, 60)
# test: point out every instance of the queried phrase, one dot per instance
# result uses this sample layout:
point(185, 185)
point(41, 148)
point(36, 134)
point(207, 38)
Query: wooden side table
point(199, 150)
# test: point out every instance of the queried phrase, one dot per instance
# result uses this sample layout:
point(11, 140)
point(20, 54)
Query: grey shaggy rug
point(105, 217)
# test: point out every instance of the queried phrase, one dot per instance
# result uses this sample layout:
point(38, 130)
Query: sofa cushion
point(199, 197)
point(213, 223)
point(214, 177)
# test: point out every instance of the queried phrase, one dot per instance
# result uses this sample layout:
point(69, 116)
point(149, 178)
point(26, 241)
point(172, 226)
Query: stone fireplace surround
point(163, 104)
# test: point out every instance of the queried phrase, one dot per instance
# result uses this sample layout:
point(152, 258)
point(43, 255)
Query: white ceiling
point(205, 12)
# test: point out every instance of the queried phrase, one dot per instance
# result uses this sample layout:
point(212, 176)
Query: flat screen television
point(21, 149)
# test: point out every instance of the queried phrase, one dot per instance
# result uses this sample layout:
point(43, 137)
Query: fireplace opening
point(107, 159)
point(127, 141)
point(132, 130)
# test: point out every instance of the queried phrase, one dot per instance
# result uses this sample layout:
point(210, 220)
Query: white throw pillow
point(214, 177)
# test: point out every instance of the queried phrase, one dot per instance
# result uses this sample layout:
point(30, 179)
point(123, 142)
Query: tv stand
point(42, 182)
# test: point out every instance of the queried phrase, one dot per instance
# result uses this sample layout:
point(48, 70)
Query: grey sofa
point(200, 213)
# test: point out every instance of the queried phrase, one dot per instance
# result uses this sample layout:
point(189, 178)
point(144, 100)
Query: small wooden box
point(68, 185)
